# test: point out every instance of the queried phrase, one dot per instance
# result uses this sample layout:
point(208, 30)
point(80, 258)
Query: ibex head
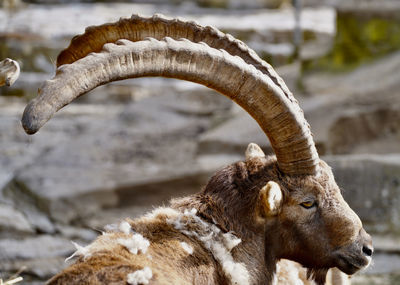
point(301, 217)
point(291, 202)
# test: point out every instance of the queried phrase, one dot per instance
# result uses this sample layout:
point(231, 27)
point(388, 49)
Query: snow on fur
point(140, 276)
point(135, 243)
point(218, 243)
point(186, 247)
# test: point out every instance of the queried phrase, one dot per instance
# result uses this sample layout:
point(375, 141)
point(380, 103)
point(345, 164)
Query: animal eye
point(308, 204)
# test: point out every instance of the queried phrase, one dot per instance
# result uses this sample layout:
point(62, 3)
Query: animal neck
point(211, 209)
point(272, 251)
point(250, 251)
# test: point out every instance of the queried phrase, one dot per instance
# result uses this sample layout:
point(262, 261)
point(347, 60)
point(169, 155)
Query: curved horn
point(137, 28)
point(280, 118)
point(9, 72)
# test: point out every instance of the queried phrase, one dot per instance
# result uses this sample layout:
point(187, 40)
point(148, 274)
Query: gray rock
point(50, 22)
point(99, 220)
point(136, 199)
point(42, 268)
point(384, 264)
point(346, 115)
point(42, 246)
point(30, 205)
point(353, 83)
point(233, 136)
point(386, 243)
point(75, 233)
point(269, 32)
point(365, 131)
point(115, 149)
point(13, 222)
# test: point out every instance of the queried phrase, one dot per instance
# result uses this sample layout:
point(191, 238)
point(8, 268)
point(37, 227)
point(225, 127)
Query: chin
point(350, 264)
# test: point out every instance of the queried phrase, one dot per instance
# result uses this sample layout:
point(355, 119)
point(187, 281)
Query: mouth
point(352, 264)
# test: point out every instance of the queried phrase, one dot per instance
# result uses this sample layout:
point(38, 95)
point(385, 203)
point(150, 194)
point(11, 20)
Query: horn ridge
point(279, 117)
point(158, 26)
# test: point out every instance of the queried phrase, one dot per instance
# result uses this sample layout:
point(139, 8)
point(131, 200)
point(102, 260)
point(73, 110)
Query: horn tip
point(31, 121)
point(253, 150)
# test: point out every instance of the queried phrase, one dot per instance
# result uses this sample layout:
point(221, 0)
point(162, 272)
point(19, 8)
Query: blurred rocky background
point(132, 145)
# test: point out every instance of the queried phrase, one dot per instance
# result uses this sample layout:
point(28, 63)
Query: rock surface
point(314, 19)
point(117, 149)
point(346, 114)
point(40, 256)
point(37, 44)
point(13, 222)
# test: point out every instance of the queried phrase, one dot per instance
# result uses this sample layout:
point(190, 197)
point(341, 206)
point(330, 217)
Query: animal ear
point(271, 198)
point(253, 150)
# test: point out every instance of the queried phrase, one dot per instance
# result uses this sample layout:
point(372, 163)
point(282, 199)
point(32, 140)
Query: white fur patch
point(289, 272)
point(187, 247)
point(80, 251)
point(125, 227)
point(231, 241)
point(236, 271)
point(214, 240)
point(161, 211)
point(135, 243)
point(140, 276)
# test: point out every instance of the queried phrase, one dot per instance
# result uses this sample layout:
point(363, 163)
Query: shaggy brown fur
point(327, 235)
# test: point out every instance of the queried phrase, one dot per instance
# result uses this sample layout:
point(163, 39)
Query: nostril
point(367, 250)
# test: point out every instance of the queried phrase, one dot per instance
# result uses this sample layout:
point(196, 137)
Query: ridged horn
point(280, 118)
point(9, 72)
point(137, 28)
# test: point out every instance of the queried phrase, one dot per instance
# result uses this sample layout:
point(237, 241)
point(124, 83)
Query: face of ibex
point(317, 226)
point(287, 206)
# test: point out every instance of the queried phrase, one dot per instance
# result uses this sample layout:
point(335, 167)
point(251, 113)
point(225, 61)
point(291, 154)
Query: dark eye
point(308, 204)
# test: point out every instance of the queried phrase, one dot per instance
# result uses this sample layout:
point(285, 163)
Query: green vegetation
point(213, 3)
point(360, 38)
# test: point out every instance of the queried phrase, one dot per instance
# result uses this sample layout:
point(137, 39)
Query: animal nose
point(367, 247)
point(368, 250)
